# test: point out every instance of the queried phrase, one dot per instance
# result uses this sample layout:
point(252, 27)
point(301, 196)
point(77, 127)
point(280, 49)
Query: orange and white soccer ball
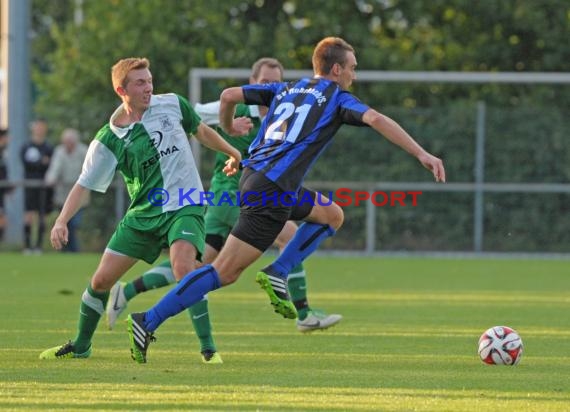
point(500, 345)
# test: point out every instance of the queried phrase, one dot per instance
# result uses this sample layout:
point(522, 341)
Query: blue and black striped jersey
point(303, 117)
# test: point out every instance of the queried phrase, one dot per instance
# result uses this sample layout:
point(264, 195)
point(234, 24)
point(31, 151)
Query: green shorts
point(144, 238)
point(221, 219)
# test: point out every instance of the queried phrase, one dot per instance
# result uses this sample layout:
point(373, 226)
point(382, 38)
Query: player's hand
point(435, 165)
point(59, 235)
point(241, 126)
point(232, 166)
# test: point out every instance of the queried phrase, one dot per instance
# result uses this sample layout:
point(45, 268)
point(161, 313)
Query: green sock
point(201, 322)
point(92, 307)
point(153, 278)
point(162, 275)
point(297, 285)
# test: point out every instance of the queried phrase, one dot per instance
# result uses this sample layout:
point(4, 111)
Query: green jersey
point(153, 156)
point(210, 115)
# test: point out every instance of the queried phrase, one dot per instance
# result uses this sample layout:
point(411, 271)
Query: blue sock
point(190, 290)
point(307, 239)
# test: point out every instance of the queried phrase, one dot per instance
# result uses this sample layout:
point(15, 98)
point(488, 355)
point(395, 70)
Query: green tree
point(72, 74)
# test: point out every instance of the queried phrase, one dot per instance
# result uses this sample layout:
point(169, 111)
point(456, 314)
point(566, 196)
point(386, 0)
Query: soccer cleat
point(65, 351)
point(140, 338)
point(317, 320)
point(276, 289)
point(116, 304)
point(211, 357)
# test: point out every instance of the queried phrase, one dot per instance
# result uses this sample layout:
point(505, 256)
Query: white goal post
point(479, 187)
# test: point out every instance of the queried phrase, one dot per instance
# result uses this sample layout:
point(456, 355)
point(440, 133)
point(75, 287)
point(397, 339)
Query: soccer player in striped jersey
point(146, 140)
point(303, 117)
point(219, 221)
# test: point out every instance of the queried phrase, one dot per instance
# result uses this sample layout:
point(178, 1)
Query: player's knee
point(101, 283)
point(331, 215)
point(181, 269)
point(335, 216)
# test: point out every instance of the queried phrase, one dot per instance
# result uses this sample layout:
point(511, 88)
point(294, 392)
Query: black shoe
point(139, 336)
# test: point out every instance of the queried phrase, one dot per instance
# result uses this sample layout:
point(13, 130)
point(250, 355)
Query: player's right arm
point(76, 198)
point(97, 174)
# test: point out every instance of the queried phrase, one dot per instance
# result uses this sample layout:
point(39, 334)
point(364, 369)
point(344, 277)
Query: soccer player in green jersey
point(219, 221)
point(146, 140)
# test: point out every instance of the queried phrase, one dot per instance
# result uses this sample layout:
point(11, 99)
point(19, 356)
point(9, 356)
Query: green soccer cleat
point(211, 358)
point(276, 289)
point(65, 351)
point(317, 320)
point(140, 338)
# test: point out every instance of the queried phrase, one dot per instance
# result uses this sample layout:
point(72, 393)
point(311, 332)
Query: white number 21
point(284, 112)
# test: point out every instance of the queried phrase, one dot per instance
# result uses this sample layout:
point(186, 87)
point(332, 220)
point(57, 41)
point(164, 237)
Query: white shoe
point(116, 304)
point(316, 320)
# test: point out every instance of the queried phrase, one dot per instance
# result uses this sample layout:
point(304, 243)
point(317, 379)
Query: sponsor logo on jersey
point(156, 138)
point(159, 155)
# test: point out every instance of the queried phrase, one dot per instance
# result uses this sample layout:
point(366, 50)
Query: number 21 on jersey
point(289, 122)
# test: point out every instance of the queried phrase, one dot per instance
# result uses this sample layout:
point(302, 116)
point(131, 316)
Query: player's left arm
point(229, 99)
point(397, 135)
point(211, 139)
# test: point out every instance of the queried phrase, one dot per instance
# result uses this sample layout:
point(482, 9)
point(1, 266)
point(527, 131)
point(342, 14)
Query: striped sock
point(90, 311)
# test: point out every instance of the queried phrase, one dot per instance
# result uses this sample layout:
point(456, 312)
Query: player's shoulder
point(172, 105)
point(106, 133)
point(167, 99)
point(110, 137)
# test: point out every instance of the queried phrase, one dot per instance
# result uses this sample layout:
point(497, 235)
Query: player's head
point(132, 81)
point(266, 70)
point(335, 59)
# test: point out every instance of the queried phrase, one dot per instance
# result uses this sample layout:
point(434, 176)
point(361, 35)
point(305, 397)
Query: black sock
point(41, 231)
point(28, 236)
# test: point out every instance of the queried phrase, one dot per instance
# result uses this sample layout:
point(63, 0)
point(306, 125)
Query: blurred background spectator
point(62, 174)
point(3, 178)
point(36, 156)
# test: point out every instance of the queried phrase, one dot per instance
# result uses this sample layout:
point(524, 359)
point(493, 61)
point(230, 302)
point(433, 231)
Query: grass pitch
point(408, 341)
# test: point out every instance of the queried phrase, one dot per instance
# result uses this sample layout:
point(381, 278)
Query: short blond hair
point(121, 69)
point(329, 51)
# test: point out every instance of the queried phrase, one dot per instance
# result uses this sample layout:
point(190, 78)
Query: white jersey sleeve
point(98, 167)
point(209, 112)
